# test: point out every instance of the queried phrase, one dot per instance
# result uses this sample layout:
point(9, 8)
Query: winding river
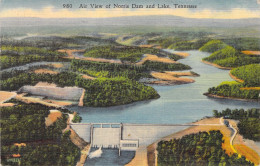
point(178, 104)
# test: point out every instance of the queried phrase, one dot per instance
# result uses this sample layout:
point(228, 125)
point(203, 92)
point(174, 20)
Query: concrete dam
point(124, 136)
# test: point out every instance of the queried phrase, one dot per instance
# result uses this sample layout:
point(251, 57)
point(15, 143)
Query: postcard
point(130, 83)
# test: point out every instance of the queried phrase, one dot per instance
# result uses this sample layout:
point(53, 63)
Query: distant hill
point(130, 20)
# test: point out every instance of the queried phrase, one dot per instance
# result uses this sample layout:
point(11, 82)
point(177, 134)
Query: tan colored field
point(171, 77)
point(87, 77)
point(235, 78)
point(155, 58)
point(52, 117)
point(146, 46)
point(5, 96)
point(45, 71)
point(7, 104)
point(19, 144)
point(57, 65)
point(250, 154)
point(183, 54)
point(250, 88)
point(248, 52)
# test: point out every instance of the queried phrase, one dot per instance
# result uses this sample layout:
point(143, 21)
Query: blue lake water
point(178, 104)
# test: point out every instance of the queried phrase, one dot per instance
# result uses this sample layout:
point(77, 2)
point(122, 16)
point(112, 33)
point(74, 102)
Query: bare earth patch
point(183, 54)
point(248, 52)
point(57, 65)
point(52, 117)
point(45, 71)
point(5, 96)
point(146, 45)
point(7, 104)
point(87, 77)
point(155, 58)
point(171, 78)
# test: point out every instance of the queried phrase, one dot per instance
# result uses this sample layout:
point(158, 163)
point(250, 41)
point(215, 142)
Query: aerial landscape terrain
point(127, 91)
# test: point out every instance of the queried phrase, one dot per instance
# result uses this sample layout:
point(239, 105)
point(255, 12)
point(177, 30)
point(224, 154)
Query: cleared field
point(183, 54)
point(57, 65)
point(171, 77)
point(52, 117)
point(45, 71)
point(155, 58)
point(4, 96)
point(248, 52)
point(87, 77)
point(147, 45)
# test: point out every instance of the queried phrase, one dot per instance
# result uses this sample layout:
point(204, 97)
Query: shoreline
point(216, 65)
point(231, 98)
point(235, 78)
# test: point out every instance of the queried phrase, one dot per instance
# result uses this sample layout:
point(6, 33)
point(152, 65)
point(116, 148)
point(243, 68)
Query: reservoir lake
point(178, 104)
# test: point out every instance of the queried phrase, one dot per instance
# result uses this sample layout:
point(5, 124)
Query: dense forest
point(250, 74)
point(99, 92)
point(247, 69)
point(25, 123)
point(124, 70)
point(212, 46)
point(16, 55)
point(203, 148)
point(249, 123)
point(180, 43)
point(233, 89)
point(227, 56)
point(124, 53)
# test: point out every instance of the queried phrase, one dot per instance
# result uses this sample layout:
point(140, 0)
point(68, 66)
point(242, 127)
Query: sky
point(215, 9)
